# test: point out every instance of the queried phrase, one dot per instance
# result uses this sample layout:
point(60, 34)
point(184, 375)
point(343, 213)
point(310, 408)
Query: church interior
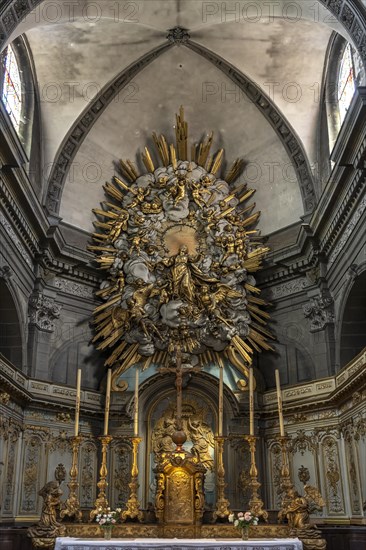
point(183, 271)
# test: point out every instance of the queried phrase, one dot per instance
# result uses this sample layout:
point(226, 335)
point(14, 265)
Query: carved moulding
point(33, 468)
point(88, 472)
point(121, 467)
point(332, 476)
point(274, 472)
point(242, 466)
point(320, 312)
point(353, 473)
point(43, 312)
point(10, 431)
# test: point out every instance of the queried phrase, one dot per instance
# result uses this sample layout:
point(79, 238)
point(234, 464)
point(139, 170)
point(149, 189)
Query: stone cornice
point(324, 393)
point(349, 154)
point(40, 392)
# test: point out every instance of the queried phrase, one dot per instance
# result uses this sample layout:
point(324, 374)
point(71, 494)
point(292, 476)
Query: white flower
point(231, 517)
point(236, 523)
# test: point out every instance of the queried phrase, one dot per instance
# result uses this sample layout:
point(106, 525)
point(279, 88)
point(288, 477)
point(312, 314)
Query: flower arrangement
point(107, 517)
point(242, 521)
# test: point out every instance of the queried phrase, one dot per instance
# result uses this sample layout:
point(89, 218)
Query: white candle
point(251, 402)
point(107, 401)
point(77, 404)
point(221, 399)
point(136, 410)
point(279, 401)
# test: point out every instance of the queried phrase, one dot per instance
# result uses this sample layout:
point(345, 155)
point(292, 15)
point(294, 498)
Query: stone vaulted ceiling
point(108, 77)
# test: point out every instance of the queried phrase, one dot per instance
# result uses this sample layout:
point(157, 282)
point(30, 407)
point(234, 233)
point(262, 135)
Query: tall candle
point(251, 402)
point(279, 401)
point(107, 401)
point(136, 411)
point(221, 399)
point(77, 404)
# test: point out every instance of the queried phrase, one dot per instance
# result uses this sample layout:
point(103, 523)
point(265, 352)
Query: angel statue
point(297, 510)
point(202, 438)
point(44, 533)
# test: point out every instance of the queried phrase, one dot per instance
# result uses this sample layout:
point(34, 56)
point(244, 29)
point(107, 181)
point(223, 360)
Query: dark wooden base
point(344, 537)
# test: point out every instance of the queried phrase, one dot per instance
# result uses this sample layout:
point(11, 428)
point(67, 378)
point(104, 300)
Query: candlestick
point(222, 504)
point(107, 401)
point(221, 398)
point(279, 401)
point(132, 505)
point(251, 402)
point(77, 404)
point(255, 503)
point(71, 507)
point(101, 502)
point(136, 411)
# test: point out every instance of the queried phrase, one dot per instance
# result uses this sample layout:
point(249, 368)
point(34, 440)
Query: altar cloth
point(70, 543)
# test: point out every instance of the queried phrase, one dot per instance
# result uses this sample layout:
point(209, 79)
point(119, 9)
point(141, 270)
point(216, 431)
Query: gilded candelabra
point(255, 503)
point(71, 507)
point(132, 505)
point(222, 504)
point(102, 502)
point(286, 484)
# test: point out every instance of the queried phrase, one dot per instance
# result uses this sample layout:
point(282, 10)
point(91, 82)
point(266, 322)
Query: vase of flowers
point(107, 519)
point(242, 521)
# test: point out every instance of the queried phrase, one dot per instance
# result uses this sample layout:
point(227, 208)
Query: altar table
point(69, 543)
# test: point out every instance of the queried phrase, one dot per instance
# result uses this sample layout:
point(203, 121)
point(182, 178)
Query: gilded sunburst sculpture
point(179, 247)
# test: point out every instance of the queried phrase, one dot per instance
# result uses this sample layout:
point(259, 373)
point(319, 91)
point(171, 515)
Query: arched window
point(11, 93)
point(346, 82)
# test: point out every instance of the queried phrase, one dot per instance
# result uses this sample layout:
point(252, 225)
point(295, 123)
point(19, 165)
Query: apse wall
point(149, 105)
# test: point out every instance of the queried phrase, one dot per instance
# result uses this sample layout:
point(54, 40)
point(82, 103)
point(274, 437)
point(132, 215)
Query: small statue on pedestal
point(297, 511)
point(45, 532)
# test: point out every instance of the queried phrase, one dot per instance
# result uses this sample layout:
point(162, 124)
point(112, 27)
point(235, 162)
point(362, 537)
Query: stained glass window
point(346, 82)
point(11, 86)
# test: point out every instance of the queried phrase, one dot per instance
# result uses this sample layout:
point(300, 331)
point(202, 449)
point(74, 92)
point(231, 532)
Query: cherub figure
point(228, 243)
point(153, 207)
point(140, 195)
point(177, 189)
point(118, 225)
point(197, 194)
point(137, 241)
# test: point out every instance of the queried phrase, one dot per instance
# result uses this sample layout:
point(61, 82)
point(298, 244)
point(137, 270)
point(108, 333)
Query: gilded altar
point(179, 495)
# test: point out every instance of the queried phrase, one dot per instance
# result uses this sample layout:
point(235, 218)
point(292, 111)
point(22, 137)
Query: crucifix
point(179, 369)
